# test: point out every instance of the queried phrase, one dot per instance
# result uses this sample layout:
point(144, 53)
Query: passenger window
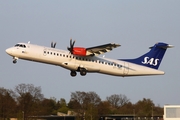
point(57, 54)
point(63, 55)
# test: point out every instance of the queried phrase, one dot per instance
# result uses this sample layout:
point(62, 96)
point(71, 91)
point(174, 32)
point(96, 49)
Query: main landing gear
point(73, 73)
point(82, 71)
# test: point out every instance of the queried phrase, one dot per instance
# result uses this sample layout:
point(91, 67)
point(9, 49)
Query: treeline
point(27, 100)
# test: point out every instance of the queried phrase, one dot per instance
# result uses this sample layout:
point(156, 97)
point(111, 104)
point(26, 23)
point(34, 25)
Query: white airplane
point(85, 60)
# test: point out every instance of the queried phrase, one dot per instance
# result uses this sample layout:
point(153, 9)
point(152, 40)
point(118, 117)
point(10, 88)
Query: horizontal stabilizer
point(160, 45)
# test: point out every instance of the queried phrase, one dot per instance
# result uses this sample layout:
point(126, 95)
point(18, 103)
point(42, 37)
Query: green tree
point(144, 107)
point(104, 108)
point(127, 108)
point(7, 102)
point(48, 107)
point(62, 106)
point(158, 111)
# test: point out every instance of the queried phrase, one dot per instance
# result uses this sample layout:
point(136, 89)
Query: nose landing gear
point(15, 60)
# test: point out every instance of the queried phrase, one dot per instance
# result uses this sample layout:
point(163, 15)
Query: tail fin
point(153, 58)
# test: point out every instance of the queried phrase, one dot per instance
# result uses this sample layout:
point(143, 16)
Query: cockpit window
point(20, 45)
point(16, 45)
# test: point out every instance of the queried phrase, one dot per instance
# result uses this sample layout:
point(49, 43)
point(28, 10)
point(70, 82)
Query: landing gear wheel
point(73, 73)
point(14, 61)
point(83, 71)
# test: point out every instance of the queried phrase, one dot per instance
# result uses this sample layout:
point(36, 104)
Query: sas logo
point(150, 61)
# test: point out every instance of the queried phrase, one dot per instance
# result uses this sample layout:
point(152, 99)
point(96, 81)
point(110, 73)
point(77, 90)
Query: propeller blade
point(70, 42)
point(71, 46)
point(68, 48)
point(53, 45)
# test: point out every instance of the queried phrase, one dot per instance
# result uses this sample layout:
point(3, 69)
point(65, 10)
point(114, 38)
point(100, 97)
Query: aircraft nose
point(8, 51)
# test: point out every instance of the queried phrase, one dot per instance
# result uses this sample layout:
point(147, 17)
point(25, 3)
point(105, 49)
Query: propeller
point(53, 45)
point(71, 46)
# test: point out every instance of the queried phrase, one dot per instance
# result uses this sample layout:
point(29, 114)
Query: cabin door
point(126, 68)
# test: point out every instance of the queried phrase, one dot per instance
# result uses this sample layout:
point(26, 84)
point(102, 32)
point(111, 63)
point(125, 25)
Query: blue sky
point(136, 25)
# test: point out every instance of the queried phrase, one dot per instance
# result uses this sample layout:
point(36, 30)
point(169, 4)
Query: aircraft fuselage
point(74, 63)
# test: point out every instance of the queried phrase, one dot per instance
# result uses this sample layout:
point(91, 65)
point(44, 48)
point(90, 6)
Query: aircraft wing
point(97, 50)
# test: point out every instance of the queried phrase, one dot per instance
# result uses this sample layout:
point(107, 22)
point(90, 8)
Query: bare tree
point(35, 92)
point(117, 100)
point(28, 97)
point(85, 104)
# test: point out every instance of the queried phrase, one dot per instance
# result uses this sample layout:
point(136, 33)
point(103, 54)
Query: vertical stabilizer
point(153, 58)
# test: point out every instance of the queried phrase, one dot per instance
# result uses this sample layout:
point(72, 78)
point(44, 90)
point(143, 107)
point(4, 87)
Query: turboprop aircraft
point(86, 60)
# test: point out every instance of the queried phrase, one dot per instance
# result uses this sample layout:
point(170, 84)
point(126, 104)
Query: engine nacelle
point(79, 51)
